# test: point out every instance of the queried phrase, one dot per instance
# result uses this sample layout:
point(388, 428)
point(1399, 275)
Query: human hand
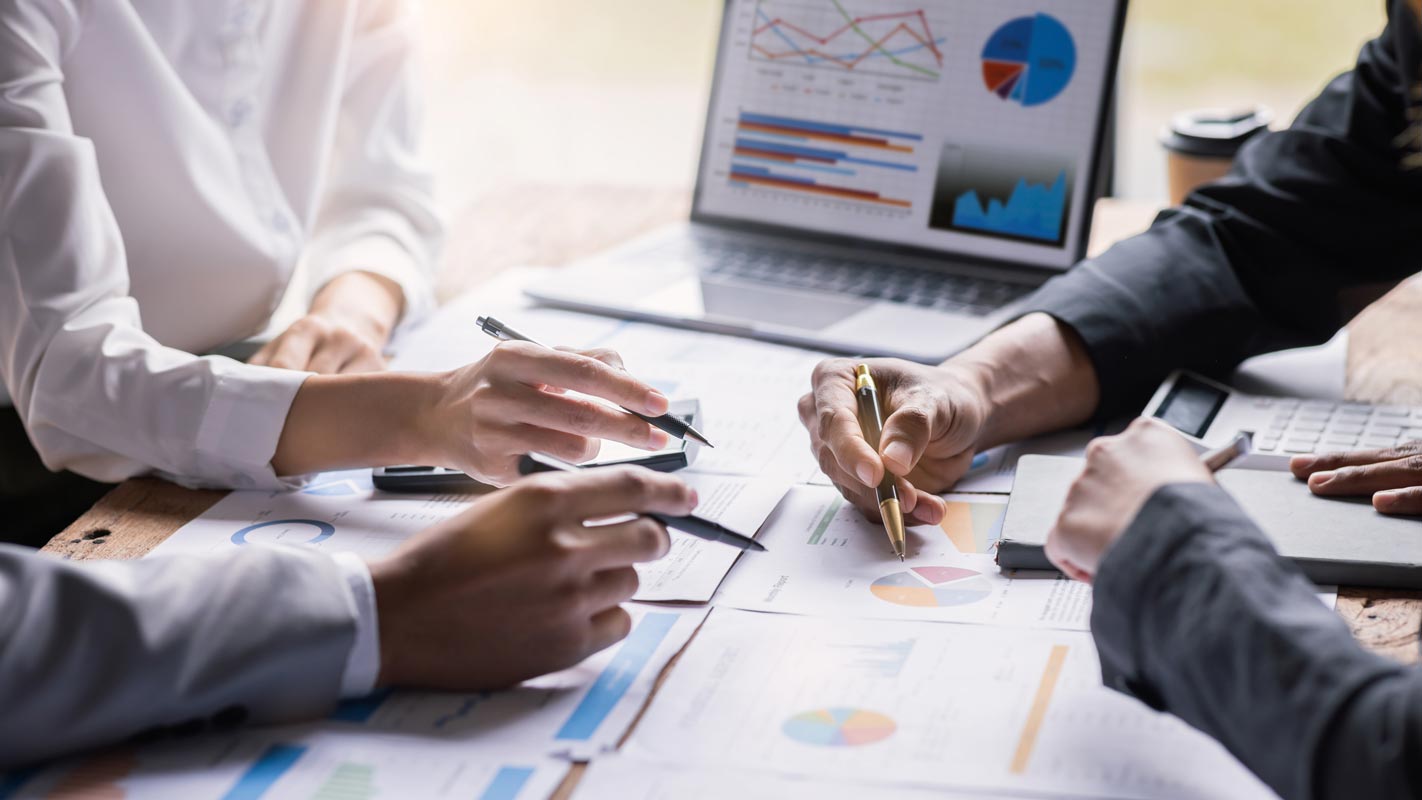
point(345, 332)
point(519, 585)
point(1392, 476)
point(514, 401)
point(1122, 472)
point(932, 419)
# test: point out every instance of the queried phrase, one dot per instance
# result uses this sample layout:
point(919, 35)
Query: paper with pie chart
point(826, 559)
point(972, 707)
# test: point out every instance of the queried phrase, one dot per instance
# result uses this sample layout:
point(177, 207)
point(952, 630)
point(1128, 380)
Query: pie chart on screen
point(1029, 60)
point(839, 727)
point(932, 587)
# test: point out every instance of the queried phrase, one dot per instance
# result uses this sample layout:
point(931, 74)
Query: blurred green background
point(548, 90)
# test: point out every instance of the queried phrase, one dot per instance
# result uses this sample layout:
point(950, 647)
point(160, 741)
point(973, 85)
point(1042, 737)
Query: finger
point(263, 356)
point(623, 544)
point(568, 446)
point(1304, 466)
point(1368, 478)
point(293, 350)
point(836, 421)
point(583, 417)
point(907, 432)
point(611, 587)
point(608, 628)
point(328, 357)
point(1400, 502)
point(606, 356)
point(928, 509)
point(610, 491)
point(536, 365)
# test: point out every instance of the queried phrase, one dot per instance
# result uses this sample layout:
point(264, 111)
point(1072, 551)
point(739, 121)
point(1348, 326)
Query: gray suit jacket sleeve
point(99, 652)
point(1196, 614)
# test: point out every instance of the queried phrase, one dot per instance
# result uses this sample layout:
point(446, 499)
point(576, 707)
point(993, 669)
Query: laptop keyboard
point(920, 287)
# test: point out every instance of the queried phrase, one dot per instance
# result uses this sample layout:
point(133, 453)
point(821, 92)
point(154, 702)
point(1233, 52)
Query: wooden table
point(514, 229)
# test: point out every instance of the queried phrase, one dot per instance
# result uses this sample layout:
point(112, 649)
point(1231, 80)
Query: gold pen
point(872, 423)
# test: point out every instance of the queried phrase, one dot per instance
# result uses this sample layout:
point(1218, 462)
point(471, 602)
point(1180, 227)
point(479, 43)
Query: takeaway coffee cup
point(1200, 146)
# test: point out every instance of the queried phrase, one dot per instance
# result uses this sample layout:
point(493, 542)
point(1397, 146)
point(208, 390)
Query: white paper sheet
point(957, 706)
point(298, 763)
point(825, 558)
point(622, 778)
point(577, 713)
point(341, 512)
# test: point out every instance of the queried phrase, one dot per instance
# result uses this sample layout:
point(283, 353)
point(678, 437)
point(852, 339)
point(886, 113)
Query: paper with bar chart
point(296, 763)
point(960, 706)
point(578, 712)
point(826, 558)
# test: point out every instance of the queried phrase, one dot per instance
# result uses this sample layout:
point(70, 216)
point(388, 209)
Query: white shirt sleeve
point(363, 663)
point(378, 212)
point(97, 394)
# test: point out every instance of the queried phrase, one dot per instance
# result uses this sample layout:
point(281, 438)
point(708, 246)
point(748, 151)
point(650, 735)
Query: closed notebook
point(1334, 541)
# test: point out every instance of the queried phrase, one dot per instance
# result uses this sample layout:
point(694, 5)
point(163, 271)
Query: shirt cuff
point(243, 422)
point(380, 255)
point(363, 663)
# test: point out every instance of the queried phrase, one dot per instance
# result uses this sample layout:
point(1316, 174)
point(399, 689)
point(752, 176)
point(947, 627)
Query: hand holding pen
point(672, 425)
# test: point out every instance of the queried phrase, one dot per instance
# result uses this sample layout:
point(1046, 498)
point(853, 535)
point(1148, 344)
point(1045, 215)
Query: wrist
point(385, 576)
point(365, 302)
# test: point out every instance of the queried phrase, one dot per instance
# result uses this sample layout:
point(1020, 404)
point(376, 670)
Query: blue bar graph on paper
point(610, 687)
point(507, 783)
point(265, 772)
point(359, 710)
point(823, 127)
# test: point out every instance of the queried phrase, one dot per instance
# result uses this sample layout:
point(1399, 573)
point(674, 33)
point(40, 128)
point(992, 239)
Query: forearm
point(1033, 375)
point(360, 420)
point(1195, 613)
point(95, 653)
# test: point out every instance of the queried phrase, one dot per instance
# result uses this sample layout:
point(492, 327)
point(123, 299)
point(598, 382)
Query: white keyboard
point(1313, 426)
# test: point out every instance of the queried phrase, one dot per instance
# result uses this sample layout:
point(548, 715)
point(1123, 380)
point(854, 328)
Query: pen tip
point(901, 558)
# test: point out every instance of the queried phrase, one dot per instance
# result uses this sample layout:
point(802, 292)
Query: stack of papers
point(827, 668)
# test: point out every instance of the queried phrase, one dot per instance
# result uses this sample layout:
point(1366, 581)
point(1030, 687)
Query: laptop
point(878, 177)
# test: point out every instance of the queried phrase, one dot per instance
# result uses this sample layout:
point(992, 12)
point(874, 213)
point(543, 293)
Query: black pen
point(673, 425)
point(696, 526)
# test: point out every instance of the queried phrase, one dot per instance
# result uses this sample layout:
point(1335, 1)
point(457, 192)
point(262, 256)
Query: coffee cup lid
point(1214, 133)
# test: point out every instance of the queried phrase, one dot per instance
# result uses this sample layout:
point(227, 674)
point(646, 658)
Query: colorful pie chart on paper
point(1029, 60)
point(932, 587)
point(839, 727)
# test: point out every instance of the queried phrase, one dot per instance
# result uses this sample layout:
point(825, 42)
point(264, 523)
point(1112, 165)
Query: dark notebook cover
point(1334, 541)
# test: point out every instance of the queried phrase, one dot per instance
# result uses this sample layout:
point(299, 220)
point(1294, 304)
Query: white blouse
point(163, 166)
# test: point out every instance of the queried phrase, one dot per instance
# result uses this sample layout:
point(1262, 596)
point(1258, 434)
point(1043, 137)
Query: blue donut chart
point(324, 530)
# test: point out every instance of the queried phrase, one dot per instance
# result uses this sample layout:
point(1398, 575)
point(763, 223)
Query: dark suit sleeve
point(1312, 223)
point(94, 653)
point(1196, 614)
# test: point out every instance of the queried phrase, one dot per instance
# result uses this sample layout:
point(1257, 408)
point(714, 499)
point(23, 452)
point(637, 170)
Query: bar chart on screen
point(897, 41)
point(814, 159)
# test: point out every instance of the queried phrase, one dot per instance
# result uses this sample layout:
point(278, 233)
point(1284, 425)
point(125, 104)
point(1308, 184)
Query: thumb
point(907, 433)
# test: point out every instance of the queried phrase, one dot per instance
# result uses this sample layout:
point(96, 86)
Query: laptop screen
point(962, 126)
